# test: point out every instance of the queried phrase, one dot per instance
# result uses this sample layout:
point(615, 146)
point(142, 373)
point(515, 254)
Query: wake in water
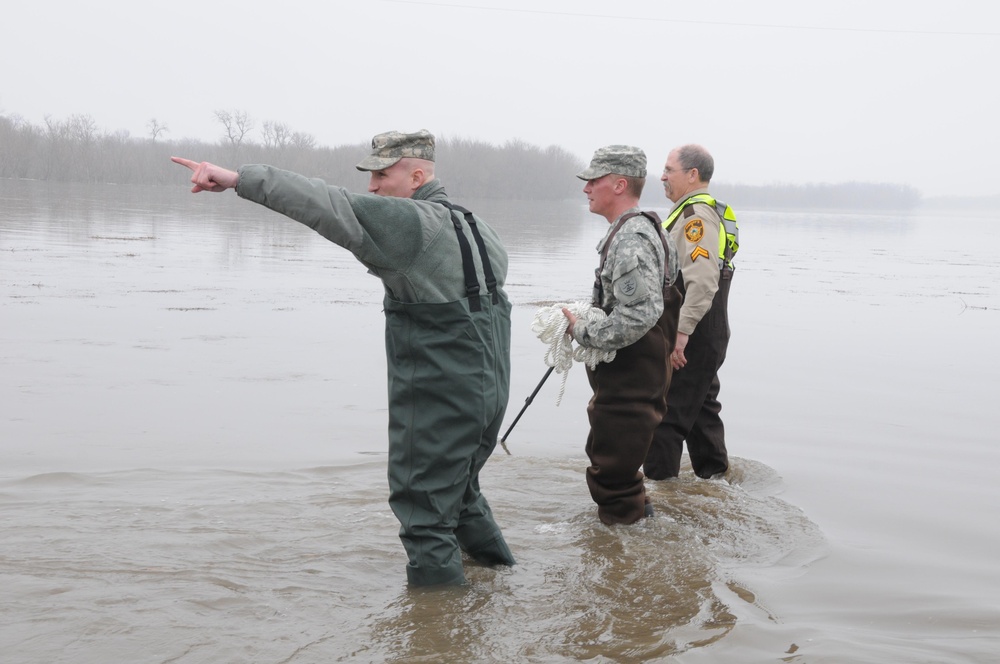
point(305, 566)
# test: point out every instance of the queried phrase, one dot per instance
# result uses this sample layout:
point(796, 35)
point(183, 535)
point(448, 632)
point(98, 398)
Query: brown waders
point(630, 400)
point(692, 402)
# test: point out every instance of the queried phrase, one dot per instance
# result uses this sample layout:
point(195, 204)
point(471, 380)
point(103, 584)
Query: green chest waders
point(449, 379)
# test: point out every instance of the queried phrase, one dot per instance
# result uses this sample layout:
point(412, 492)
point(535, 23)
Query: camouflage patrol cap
point(624, 160)
point(390, 147)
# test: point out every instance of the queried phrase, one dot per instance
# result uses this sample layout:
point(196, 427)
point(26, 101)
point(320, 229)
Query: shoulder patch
point(694, 230)
point(629, 287)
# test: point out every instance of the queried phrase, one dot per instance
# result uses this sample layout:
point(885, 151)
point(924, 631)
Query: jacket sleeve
point(637, 295)
point(383, 233)
point(697, 239)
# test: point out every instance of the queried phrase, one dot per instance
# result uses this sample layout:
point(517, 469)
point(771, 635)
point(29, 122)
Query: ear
point(417, 178)
point(620, 185)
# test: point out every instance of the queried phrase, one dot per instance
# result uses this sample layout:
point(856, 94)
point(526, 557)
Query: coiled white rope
point(550, 326)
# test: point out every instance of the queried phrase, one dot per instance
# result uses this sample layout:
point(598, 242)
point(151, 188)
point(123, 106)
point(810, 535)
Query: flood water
point(193, 437)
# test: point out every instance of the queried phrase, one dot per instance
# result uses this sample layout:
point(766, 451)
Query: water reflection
point(526, 226)
point(303, 566)
point(585, 591)
point(217, 345)
point(144, 230)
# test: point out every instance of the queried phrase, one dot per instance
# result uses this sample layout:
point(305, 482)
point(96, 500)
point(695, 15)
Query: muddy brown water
point(192, 450)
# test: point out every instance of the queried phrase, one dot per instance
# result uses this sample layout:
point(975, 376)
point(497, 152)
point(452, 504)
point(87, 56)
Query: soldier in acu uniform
point(447, 335)
point(634, 287)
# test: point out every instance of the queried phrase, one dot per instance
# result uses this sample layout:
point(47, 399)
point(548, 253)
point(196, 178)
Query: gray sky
point(792, 91)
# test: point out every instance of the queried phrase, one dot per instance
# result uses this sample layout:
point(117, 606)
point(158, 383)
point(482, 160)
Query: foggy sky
point(898, 91)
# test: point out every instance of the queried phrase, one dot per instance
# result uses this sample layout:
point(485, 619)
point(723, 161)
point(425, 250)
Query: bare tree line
point(822, 196)
point(813, 196)
point(76, 150)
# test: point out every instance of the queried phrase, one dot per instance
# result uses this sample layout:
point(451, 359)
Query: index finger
point(185, 162)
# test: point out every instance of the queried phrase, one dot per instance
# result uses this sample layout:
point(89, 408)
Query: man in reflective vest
point(706, 236)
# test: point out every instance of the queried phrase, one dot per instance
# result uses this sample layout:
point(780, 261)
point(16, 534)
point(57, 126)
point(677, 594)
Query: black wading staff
point(527, 402)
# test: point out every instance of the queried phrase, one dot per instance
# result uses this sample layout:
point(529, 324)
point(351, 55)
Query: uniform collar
point(612, 227)
point(430, 191)
point(681, 202)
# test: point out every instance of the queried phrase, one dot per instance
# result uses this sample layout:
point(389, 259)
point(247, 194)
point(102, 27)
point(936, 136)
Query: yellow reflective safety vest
point(729, 237)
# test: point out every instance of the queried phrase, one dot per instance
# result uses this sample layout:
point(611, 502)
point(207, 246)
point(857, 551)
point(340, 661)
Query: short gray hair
point(695, 156)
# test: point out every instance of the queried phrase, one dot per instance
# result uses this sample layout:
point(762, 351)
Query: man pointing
point(447, 335)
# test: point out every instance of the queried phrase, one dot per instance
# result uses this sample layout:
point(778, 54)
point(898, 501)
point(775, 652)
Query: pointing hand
point(209, 177)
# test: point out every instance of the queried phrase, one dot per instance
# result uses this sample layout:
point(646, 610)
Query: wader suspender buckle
point(653, 217)
point(468, 266)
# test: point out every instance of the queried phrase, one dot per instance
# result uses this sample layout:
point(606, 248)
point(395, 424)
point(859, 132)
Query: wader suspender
point(468, 266)
point(653, 217)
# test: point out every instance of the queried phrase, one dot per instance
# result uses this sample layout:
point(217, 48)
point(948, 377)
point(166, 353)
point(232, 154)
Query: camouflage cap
point(390, 147)
point(619, 159)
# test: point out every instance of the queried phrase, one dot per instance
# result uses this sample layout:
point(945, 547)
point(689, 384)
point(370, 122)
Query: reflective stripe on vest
point(729, 241)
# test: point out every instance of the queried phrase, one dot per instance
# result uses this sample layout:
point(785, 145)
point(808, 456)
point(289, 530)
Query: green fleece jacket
point(409, 243)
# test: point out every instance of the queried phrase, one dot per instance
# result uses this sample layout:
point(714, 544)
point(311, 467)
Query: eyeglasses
point(668, 170)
